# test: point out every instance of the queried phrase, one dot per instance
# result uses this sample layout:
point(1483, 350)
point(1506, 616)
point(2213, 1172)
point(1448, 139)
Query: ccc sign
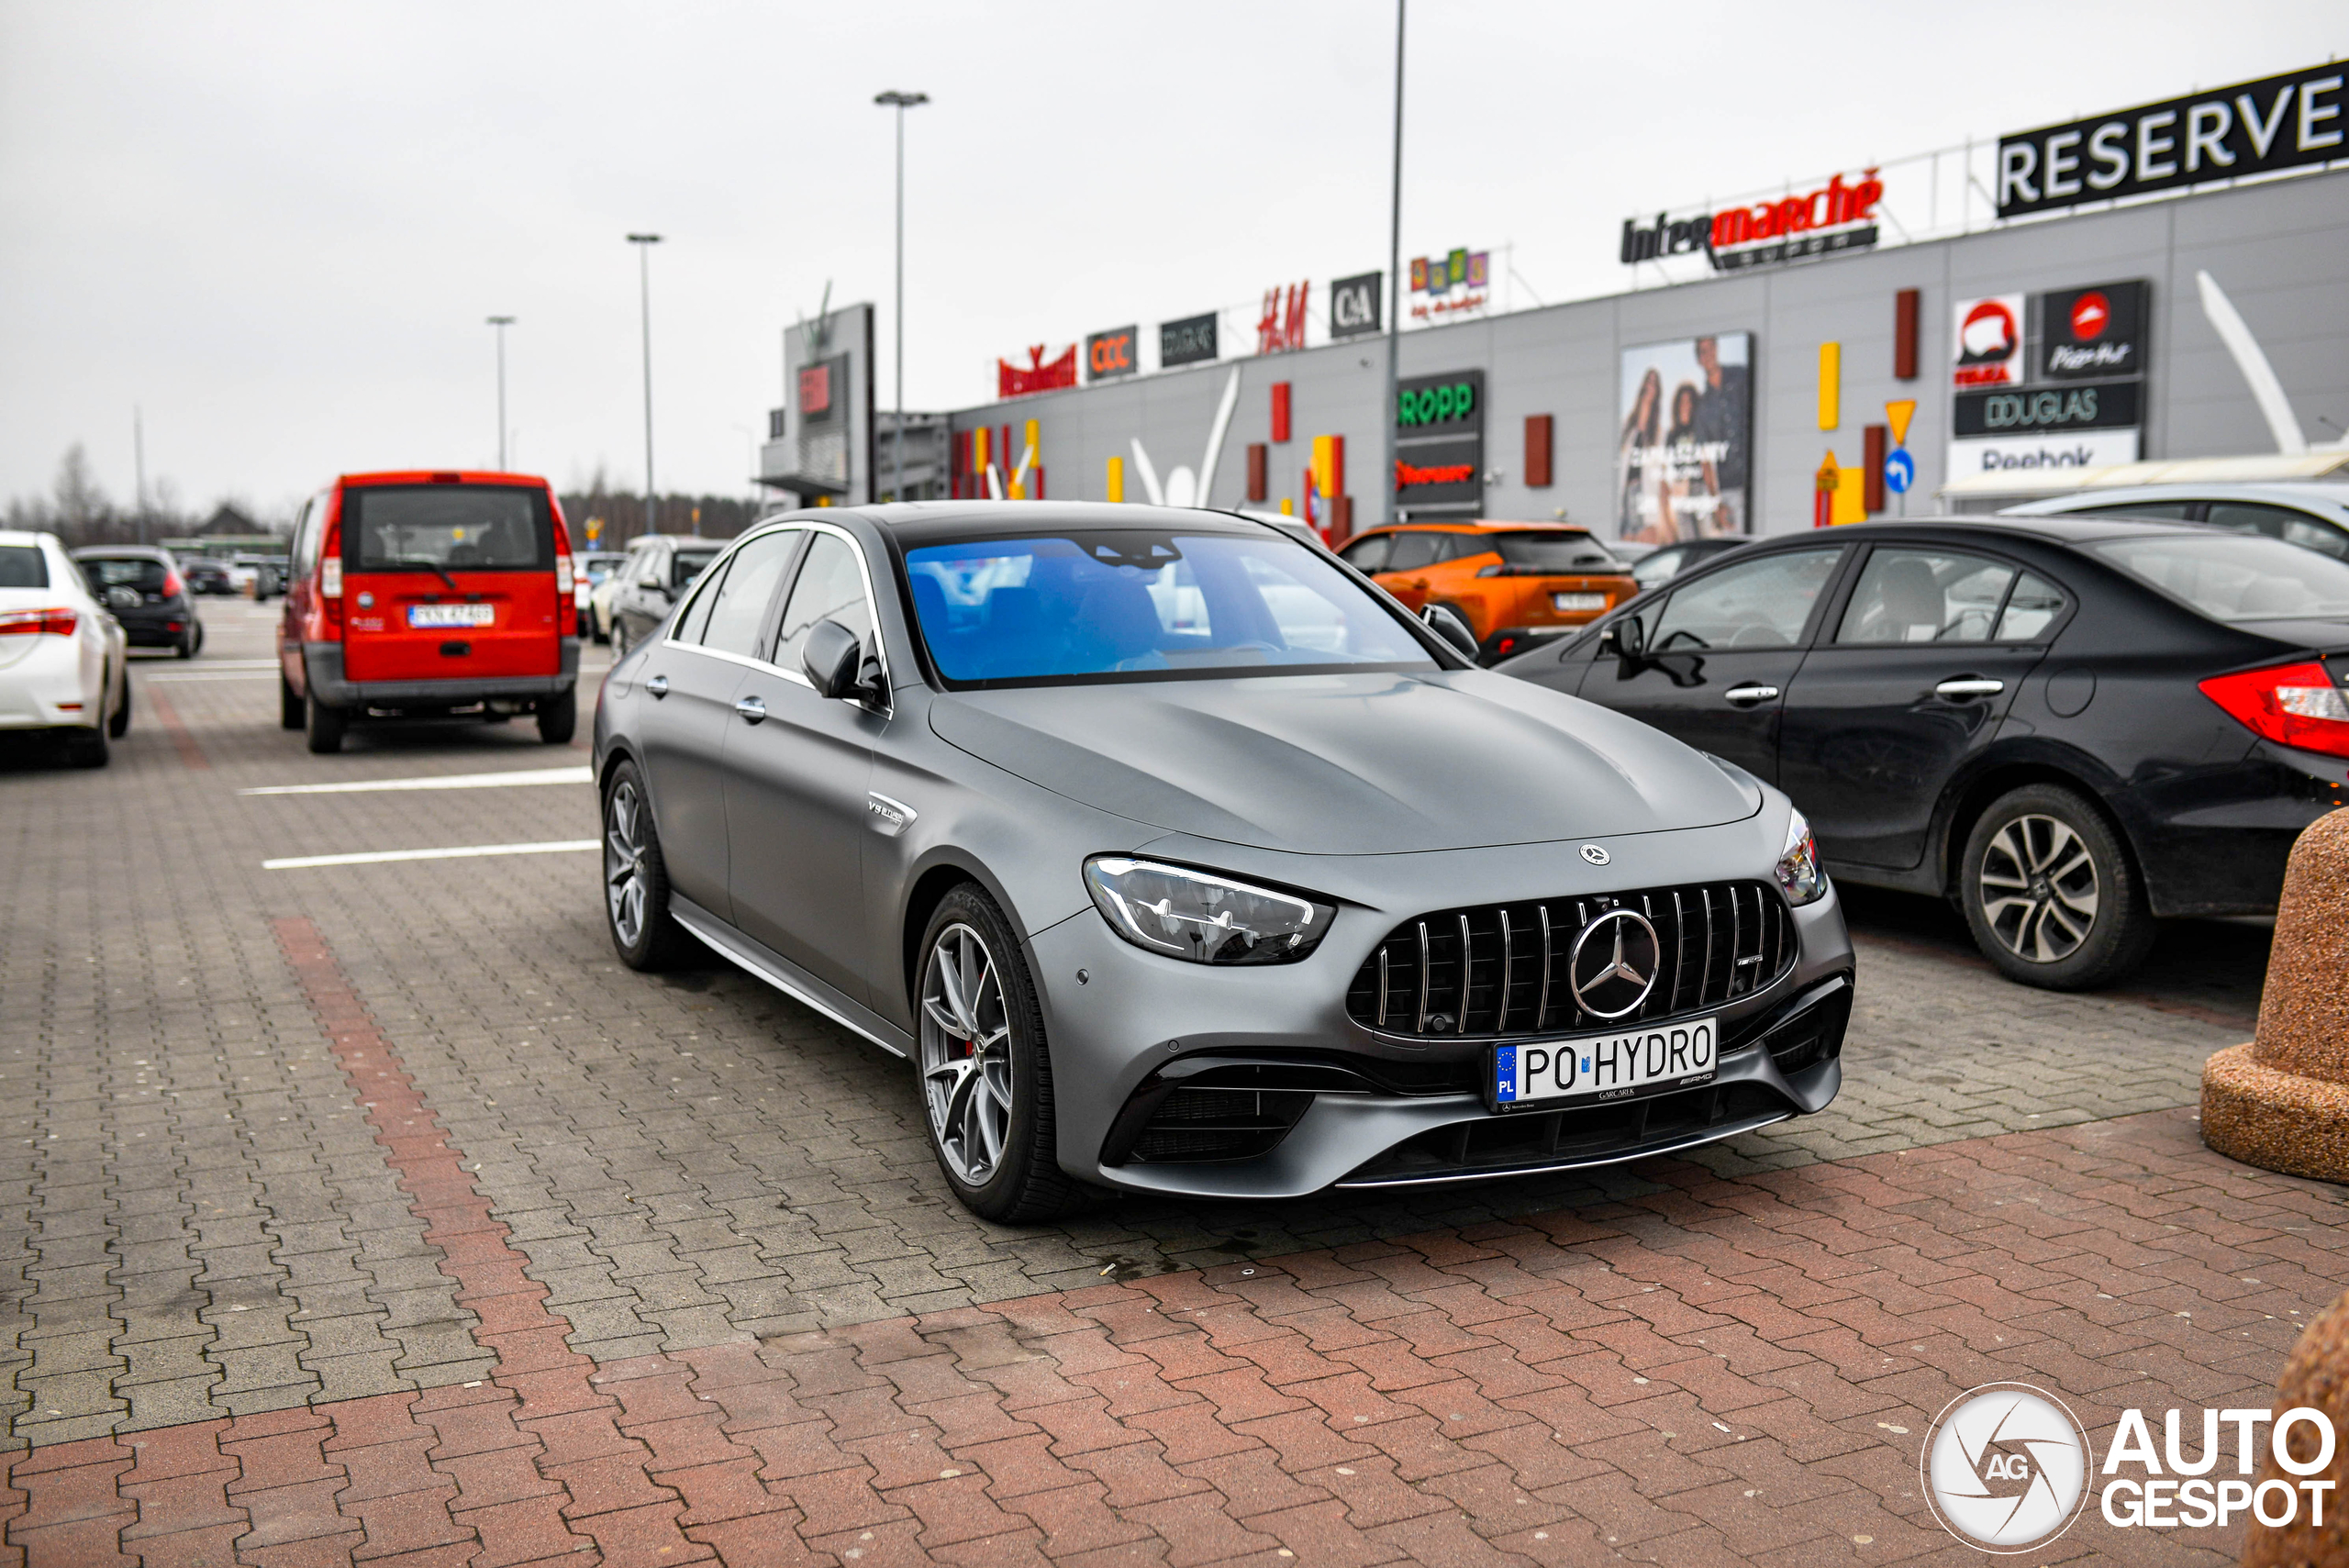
point(1111, 353)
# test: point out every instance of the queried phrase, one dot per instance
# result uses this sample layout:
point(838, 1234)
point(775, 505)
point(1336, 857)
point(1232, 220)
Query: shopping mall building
point(2169, 281)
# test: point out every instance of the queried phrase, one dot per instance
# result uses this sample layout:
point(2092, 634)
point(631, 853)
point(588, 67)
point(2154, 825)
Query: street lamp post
point(501, 323)
point(901, 102)
point(1386, 487)
point(644, 243)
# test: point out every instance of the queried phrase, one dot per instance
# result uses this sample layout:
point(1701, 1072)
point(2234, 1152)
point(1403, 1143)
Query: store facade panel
point(2279, 250)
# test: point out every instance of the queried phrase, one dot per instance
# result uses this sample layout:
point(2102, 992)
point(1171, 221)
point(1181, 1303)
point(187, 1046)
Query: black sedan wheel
point(2049, 894)
point(636, 879)
point(986, 1080)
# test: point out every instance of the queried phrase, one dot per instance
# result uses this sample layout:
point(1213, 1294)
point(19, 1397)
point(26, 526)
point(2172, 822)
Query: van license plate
point(451, 615)
point(1571, 604)
point(1607, 1066)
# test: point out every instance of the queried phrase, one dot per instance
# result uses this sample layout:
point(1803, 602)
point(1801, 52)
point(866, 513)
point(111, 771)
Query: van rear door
point(450, 580)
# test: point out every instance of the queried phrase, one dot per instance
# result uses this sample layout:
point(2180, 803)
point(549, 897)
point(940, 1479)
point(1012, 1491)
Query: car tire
point(118, 722)
point(559, 718)
point(323, 726)
point(289, 704)
point(186, 648)
point(984, 1072)
point(2050, 893)
point(87, 748)
point(635, 878)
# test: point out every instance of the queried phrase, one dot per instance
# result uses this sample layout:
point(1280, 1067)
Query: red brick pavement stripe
point(1726, 1371)
point(191, 754)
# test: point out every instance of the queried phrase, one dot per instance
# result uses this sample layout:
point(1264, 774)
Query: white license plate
point(1607, 1066)
point(451, 615)
point(1568, 604)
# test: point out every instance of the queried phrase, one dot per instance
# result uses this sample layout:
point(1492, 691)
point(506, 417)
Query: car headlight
point(1202, 917)
point(1798, 870)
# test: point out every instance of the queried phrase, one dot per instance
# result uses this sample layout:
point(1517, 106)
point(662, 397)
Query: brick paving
point(608, 1268)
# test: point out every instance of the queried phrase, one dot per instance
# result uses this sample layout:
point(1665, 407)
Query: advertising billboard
point(1189, 341)
point(2090, 332)
point(1988, 342)
point(1112, 353)
point(1353, 304)
point(1439, 445)
point(2050, 381)
point(820, 442)
point(2224, 133)
point(1684, 460)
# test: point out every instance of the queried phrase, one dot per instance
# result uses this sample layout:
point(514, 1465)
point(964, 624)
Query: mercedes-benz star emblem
point(1596, 854)
point(1615, 963)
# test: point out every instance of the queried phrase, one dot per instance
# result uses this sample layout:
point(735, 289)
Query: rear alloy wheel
point(2049, 892)
point(323, 726)
point(985, 1078)
point(636, 879)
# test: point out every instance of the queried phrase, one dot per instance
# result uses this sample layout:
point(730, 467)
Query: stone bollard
point(2282, 1101)
point(2317, 1377)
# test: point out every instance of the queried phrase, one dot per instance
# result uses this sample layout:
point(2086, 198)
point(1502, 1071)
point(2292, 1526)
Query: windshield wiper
point(430, 566)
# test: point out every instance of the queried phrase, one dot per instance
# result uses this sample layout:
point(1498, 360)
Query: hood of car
point(1373, 762)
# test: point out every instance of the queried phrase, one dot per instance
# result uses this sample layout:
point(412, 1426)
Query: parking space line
point(191, 754)
point(512, 778)
point(460, 852)
point(217, 675)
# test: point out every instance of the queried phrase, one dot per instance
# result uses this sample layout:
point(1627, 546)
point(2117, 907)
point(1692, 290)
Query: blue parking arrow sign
point(1899, 471)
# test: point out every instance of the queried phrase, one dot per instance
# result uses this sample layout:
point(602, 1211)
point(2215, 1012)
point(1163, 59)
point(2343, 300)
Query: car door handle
point(1963, 686)
point(1749, 695)
point(752, 709)
point(658, 685)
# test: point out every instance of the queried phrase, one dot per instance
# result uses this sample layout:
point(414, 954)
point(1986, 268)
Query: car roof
point(1481, 526)
point(24, 536)
point(2323, 496)
point(2056, 530)
point(916, 523)
point(441, 476)
point(127, 551)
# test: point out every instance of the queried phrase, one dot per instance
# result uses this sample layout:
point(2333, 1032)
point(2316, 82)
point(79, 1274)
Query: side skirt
point(788, 977)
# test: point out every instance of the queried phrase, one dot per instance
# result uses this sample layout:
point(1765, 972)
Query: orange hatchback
point(1514, 584)
point(429, 595)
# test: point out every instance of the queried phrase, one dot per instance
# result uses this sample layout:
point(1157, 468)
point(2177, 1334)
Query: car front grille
point(1499, 971)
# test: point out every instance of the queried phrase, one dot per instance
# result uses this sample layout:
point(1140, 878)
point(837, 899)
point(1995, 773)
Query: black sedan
point(2070, 727)
point(145, 589)
point(660, 567)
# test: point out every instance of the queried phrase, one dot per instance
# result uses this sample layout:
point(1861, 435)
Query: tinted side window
point(2179, 511)
point(1921, 595)
point(739, 608)
point(830, 587)
point(1369, 555)
point(2281, 522)
point(2033, 607)
point(23, 566)
point(1414, 551)
point(1459, 546)
point(1755, 604)
point(695, 620)
point(1657, 567)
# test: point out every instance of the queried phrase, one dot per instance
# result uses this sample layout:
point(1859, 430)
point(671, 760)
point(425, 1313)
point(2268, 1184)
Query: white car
point(2314, 515)
point(64, 662)
point(589, 571)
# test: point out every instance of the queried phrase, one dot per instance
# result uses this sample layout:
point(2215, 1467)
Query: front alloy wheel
point(966, 1055)
point(2050, 893)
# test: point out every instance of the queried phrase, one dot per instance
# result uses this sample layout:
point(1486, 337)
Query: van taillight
point(56, 622)
point(562, 576)
point(2292, 704)
point(330, 577)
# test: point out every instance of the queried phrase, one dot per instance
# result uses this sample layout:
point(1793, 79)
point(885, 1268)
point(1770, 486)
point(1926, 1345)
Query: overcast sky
point(278, 228)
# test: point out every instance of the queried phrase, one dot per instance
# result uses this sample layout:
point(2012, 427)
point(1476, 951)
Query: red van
point(426, 595)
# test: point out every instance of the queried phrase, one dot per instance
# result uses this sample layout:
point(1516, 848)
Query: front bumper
point(322, 669)
point(1342, 1105)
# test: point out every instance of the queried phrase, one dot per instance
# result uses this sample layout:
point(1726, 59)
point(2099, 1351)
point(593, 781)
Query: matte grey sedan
point(1180, 859)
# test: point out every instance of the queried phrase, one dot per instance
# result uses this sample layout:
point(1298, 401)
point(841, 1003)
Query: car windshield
point(2236, 577)
point(139, 572)
point(1127, 605)
point(455, 528)
point(1559, 553)
point(22, 566)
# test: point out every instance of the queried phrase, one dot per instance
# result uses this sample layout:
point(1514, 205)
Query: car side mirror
point(832, 660)
point(1445, 622)
point(1625, 638)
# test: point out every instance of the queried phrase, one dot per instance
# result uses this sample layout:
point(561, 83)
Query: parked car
point(207, 574)
point(2314, 515)
point(64, 662)
point(142, 587)
point(588, 573)
point(426, 595)
point(2070, 727)
point(1665, 562)
point(1179, 862)
point(659, 568)
point(1514, 584)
